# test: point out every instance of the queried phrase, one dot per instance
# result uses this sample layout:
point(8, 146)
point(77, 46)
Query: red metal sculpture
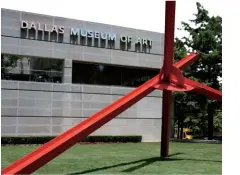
point(169, 79)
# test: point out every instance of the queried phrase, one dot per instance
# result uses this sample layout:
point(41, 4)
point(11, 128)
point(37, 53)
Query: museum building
point(56, 72)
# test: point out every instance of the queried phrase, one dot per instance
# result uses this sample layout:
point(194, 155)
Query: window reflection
point(25, 68)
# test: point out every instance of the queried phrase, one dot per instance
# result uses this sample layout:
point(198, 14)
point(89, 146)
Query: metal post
point(166, 122)
point(169, 39)
point(167, 65)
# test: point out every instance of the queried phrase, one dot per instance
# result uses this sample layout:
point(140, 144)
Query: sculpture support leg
point(166, 122)
point(167, 67)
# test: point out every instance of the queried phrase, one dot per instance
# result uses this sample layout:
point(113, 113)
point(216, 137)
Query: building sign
point(42, 27)
point(89, 37)
point(92, 34)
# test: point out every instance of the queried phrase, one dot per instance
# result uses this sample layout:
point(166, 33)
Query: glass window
point(102, 74)
point(25, 68)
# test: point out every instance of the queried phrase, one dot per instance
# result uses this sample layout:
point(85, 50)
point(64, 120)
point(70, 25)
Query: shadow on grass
point(145, 162)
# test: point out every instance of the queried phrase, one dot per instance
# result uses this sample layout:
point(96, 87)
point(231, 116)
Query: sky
point(139, 14)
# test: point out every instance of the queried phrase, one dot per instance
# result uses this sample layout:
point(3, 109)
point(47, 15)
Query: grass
point(128, 158)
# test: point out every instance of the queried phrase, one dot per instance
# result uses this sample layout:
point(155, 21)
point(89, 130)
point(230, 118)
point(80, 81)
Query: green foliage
point(205, 37)
point(91, 139)
point(11, 61)
point(217, 121)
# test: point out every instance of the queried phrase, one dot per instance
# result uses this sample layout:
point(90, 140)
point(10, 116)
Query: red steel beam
point(58, 145)
point(166, 121)
point(199, 87)
point(166, 70)
point(169, 39)
point(186, 61)
point(205, 90)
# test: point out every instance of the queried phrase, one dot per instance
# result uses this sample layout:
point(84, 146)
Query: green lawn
point(128, 158)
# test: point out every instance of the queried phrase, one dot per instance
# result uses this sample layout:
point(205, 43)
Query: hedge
point(91, 139)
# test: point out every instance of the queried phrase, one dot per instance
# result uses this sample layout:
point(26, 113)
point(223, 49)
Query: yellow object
point(187, 133)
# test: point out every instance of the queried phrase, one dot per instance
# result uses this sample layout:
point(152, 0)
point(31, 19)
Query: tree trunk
point(181, 130)
point(210, 111)
point(181, 124)
point(178, 131)
point(21, 66)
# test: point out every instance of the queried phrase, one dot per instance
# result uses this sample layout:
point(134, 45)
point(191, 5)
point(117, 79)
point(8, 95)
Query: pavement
point(196, 140)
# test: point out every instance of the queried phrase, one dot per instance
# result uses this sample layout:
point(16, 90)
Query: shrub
point(91, 139)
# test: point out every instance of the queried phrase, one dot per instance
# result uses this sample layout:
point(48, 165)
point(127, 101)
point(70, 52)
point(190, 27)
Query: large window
point(25, 68)
point(101, 74)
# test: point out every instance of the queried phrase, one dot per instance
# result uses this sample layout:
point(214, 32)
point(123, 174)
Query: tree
point(205, 37)
point(8, 62)
point(11, 61)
